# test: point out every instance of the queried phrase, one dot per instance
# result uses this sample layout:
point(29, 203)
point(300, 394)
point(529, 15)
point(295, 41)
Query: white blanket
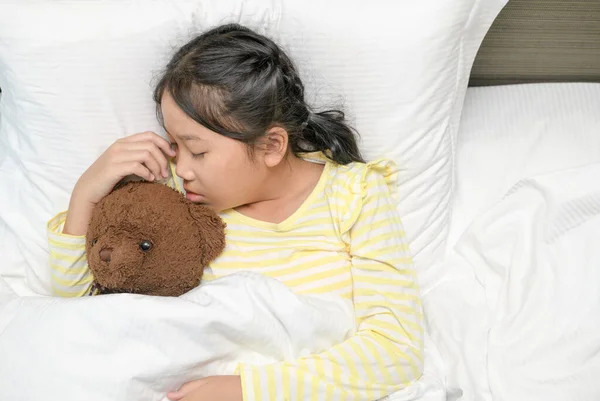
point(136, 348)
point(130, 347)
point(515, 310)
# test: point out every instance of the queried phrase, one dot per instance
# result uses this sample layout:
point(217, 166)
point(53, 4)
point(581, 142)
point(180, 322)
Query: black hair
point(240, 84)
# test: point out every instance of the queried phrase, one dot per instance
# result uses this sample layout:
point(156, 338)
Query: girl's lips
point(194, 197)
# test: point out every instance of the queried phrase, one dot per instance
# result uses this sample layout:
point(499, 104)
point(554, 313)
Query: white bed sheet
point(515, 308)
point(515, 131)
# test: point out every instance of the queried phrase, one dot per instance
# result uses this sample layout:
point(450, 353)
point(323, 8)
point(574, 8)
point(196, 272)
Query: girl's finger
point(150, 147)
point(184, 390)
point(175, 396)
point(148, 159)
point(145, 152)
point(158, 140)
point(138, 169)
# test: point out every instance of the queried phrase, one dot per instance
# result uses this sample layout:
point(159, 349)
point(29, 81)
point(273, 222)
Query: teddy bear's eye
point(95, 241)
point(145, 246)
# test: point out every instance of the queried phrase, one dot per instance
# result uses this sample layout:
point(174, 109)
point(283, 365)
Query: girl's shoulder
point(350, 187)
point(379, 175)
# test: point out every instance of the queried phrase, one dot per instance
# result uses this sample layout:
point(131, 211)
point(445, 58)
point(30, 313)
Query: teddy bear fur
point(147, 238)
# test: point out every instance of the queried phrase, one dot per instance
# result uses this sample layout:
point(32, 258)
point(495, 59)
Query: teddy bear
point(147, 238)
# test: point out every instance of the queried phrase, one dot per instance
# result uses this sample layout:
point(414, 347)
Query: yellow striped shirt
point(345, 239)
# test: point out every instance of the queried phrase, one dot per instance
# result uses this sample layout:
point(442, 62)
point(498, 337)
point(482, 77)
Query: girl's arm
point(69, 272)
point(386, 354)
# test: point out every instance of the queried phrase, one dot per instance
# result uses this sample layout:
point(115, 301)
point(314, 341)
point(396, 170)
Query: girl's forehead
point(179, 125)
point(191, 133)
point(174, 119)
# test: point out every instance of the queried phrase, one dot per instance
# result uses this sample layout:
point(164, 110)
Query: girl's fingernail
point(165, 173)
point(151, 177)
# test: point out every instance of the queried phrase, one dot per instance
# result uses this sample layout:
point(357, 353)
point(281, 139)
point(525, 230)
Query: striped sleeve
point(69, 272)
point(386, 353)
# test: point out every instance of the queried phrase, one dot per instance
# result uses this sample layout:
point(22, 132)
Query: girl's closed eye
point(198, 155)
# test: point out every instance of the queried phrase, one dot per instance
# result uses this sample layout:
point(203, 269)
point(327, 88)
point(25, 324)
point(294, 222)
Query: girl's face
point(216, 170)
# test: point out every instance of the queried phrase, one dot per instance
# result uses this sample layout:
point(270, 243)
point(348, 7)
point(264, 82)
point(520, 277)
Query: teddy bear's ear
point(211, 229)
point(126, 180)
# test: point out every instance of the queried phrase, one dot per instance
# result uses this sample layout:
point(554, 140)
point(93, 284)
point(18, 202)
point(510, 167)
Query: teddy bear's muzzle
point(105, 254)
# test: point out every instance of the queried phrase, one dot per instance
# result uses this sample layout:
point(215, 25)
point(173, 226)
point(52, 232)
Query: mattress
point(515, 308)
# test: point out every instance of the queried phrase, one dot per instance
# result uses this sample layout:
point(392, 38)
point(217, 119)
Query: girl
point(300, 205)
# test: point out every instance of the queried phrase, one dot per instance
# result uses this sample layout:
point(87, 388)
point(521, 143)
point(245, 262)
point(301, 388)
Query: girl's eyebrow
point(190, 138)
point(185, 137)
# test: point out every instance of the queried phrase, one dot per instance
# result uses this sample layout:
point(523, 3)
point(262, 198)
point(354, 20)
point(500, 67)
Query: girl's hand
point(214, 388)
point(140, 154)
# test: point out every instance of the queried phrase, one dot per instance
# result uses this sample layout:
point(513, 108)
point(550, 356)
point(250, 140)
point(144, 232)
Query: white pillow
point(77, 76)
point(512, 132)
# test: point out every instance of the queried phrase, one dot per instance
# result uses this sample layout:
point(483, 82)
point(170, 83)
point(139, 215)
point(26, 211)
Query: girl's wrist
point(78, 216)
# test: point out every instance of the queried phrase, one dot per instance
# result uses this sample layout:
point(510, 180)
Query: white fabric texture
point(136, 348)
point(515, 310)
point(132, 347)
point(515, 131)
point(78, 75)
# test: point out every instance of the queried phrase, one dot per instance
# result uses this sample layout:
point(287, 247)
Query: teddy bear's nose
point(105, 254)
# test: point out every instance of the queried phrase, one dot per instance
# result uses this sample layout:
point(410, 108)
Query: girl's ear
point(274, 146)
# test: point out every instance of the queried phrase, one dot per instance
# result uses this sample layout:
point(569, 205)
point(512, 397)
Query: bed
point(511, 306)
point(512, 292)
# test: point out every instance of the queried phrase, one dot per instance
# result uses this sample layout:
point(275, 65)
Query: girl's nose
point(183, 169)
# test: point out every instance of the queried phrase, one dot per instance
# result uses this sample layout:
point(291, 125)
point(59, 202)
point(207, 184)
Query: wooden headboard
point(541, 41)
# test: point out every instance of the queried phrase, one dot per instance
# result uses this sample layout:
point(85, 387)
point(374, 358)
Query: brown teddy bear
point(147, 238)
